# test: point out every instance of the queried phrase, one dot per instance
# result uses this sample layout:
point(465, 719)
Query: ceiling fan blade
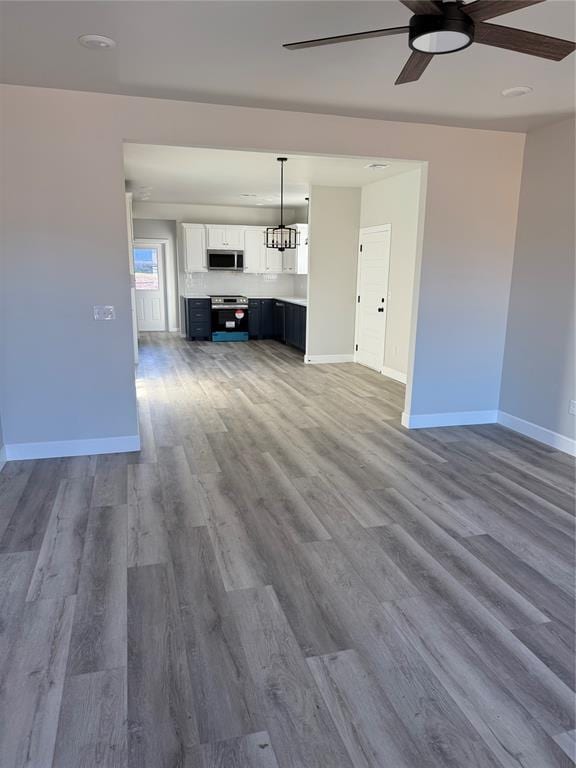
point(481, 10)
point(521, 41)
point(346, 38)
point(423, 6)
point(414, 67)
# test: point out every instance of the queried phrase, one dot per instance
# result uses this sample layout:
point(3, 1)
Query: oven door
point(229, 319)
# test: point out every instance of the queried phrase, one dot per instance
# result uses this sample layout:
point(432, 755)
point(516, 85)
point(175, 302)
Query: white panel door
point(149, 284)
point(372, 296)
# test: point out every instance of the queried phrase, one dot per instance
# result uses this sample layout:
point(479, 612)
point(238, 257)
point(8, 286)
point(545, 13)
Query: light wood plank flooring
point(284, 577)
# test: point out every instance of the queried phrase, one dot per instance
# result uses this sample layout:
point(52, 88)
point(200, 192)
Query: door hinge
point(358, 299)
point(360, 247)
point(356, 347)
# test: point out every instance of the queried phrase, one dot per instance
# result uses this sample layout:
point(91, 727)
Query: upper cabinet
point(254, 251)
point(225, 238)
point(194, 247)
point(261, 260)
point(196, 239)
point(289, 261)
point(302, 250)
point(273, 261)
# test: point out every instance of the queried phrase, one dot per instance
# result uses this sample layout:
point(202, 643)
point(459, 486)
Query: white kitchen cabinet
point(302, 250)
point(289, 261)
point(273, 261)
point(225, 238)
point(193, 242)
point(254, 251)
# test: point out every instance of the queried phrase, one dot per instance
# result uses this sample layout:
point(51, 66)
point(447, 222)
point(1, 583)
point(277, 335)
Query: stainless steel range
point(229, 318)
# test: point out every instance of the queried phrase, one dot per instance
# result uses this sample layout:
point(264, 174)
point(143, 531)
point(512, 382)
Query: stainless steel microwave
point(228, 260)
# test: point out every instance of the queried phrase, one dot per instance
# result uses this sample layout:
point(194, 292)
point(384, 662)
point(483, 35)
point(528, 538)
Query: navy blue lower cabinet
point(261, 318)
point(197, 316)
point(267, 318)
point(280, 321)
point(295, 326)
point(301, 329)
point(255, 318)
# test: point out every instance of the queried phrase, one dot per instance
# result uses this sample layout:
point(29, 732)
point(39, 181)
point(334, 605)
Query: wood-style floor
point(284, 577)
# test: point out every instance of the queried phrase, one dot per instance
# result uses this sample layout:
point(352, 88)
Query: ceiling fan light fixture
point(96, 41)
point(516, 91)
point(447, 33)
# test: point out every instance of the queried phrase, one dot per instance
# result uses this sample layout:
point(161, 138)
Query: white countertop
point(290, 299)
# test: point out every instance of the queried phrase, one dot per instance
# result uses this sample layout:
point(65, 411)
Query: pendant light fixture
point(281, 237)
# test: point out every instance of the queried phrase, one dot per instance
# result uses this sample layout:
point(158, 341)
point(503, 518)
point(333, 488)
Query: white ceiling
point(224, 177)
point(231, 53)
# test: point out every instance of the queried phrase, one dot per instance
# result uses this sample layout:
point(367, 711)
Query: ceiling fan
point(446, 27)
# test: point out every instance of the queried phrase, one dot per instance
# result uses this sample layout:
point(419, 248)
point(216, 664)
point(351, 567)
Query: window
point(146, 269)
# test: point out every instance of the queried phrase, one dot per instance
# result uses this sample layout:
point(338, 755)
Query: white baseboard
point(319, 359)
point(460, 419)
point(392, 373)
point(456, 419)
point(61, 448)
point(536, 432)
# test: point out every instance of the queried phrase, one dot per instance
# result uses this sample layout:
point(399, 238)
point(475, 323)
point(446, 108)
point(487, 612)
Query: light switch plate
point(104, 312)
point(572, 407)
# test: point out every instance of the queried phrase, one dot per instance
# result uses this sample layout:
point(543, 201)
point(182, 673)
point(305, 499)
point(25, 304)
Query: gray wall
point(67, 377)
point(333, 249)
point(65, 240)
point(538, 376)
point(396, 201)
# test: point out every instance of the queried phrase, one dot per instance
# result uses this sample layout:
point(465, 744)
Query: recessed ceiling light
point(517, 90)
point(376, 166)
point(96, 41)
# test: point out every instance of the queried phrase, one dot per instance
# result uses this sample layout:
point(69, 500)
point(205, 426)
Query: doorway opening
point(203, 199)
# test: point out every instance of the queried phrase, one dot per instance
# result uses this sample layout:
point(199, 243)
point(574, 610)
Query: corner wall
point(396, 201)
point(538, 378)
point(333, 256)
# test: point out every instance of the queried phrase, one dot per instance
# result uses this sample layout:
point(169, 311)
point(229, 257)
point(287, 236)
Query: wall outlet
point(572, 407)
point(104, 312)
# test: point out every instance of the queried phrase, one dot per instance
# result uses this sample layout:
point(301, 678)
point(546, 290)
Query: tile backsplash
point(242, 284)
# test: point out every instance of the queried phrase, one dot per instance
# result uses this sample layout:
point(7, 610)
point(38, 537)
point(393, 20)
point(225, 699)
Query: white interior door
point(150, 286)
point(372, 296)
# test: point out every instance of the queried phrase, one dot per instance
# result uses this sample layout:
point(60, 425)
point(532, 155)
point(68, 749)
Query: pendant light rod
point(282, 160)
point(281, 237)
